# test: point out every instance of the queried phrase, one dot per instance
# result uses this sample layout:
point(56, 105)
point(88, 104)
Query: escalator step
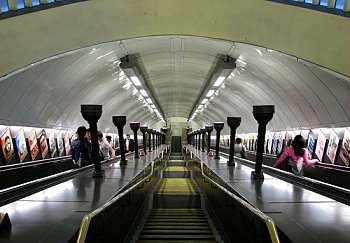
point(176, 241)
point(177, 237)
point(176, 232)
point(182, 227)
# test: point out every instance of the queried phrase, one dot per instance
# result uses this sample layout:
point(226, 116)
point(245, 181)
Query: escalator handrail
point(34, 163)
point(84, 226)
point(268, 221)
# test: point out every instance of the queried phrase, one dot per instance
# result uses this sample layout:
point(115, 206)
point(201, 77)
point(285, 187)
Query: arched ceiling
point(50, 92)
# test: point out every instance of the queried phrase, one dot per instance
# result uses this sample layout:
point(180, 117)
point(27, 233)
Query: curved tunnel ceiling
point(176, 68)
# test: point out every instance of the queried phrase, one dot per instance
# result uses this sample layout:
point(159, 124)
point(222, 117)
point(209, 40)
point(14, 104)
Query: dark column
point(233, 123)
point(119, 122)
point(218, 127)
point(199, 139)
point(195, 139)
point(153, 139)
point(91, 113)
point(144, 130)
point(203, 130)
point(263, 114)
point(149, 132)
point(209, 129)
point(134, 126)
point(165, 130)
point(188, 136)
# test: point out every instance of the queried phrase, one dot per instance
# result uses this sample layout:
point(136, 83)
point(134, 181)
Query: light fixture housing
point(222, 70)
point(131, 70)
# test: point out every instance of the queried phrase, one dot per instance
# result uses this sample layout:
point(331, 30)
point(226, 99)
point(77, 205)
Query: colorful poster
point(43, 144)
point(345, 149)
point(6, 144)
point(60, 144)
point(280, 142)
point(67, 143)
point(52, 143)
point(332, 146)
point(33, 145)
point(320, 146)
point(269, 144)
point(311, 140)
point(274, 143)
point(21, 145)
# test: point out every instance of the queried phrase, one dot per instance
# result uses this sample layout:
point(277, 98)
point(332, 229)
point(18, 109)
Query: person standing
point(81, 147)
point(129, 144)
point(296, 156)
point(239, 150)
point(105, 148)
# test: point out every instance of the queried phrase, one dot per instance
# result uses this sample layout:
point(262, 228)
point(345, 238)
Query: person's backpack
point(289, 165)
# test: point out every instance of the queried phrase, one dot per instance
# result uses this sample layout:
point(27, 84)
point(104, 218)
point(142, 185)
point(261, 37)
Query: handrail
point(87, 218)
point(34, 163)
point(268, 221)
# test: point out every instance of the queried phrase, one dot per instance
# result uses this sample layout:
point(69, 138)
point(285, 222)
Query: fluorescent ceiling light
point(204, 101)
point(153, 106)
point(149, 101)
point(135, 80)
point(200, 107)
point(210, 93)
point(143, 93)
point(219, 81)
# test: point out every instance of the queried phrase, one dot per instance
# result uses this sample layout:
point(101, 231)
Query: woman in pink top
point(298, 154)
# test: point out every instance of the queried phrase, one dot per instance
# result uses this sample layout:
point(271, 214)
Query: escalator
point(177, 214)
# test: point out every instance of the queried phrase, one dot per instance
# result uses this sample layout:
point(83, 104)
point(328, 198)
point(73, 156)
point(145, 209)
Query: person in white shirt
point(105, 148)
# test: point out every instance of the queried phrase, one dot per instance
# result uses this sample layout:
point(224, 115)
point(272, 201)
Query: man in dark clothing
point(81, 146)
point(129, 144)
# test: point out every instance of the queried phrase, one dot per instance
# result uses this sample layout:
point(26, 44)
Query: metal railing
point(84, 227)
point(266, 219)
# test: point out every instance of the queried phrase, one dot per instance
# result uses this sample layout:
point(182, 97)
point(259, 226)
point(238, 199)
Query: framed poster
point(52, 144)
point(281, 135)
point(345, 148)
point(33, 145)
point(311, 142)
point(60, 144)
point(67, 143)
point(21, 145)
point(7, 145)
point(332, 146)
point(274, 143)
point(320, 146)
point(269, 143)
point(44, 148)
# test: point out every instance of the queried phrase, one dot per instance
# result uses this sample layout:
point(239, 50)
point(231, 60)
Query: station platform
point(303, 215)
point(55, 214)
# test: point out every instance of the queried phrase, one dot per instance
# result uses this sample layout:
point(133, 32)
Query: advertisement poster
point(66, 143)
point(6, 144)
point(269, 143)
point(21, 145)
point(345, 149)
point(43, 144)
point(320, 146)
point(274, 143)
point(60, 144)
point(281, 136)
point(33, 145)
point(332, 146)
point(311, 141)
point(52, 143)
